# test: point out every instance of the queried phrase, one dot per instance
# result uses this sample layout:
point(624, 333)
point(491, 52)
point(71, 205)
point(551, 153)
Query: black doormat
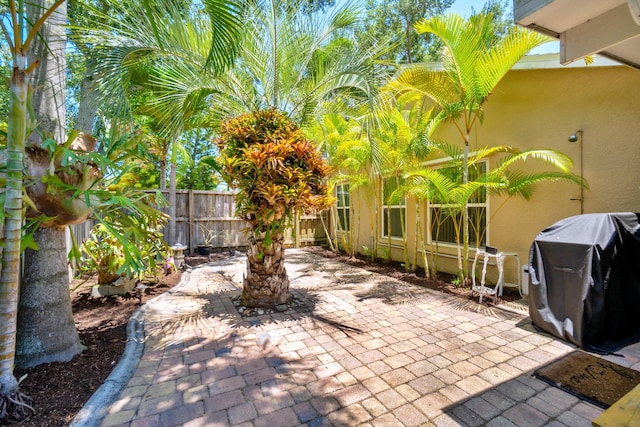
point(590, 378)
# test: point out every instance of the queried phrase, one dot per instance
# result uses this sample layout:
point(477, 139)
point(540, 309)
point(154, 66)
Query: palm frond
point(433, 184)
point(523, 185)
point(463, 45)
point(154, 36)
point(225, 16)
point(464, 192)
point(452, 151)
point(413, 83)
point(498, 60)
point(486, 152)
point(552, 157)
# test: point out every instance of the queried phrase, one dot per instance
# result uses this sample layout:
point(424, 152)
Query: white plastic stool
point(482, 290)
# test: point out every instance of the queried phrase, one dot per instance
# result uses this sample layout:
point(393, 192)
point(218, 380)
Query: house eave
point(586, 27)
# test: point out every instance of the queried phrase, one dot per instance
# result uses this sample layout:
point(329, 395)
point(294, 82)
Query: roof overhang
point(610, 28)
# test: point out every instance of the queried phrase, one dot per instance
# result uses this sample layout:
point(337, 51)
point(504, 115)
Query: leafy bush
point(276, 168)
point(131, 250)
point(277, 171)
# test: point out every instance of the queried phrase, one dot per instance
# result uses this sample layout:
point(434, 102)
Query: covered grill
point(585, 280)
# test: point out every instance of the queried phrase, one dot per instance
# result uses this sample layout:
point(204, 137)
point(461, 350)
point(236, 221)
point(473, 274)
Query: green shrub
point(104, 252)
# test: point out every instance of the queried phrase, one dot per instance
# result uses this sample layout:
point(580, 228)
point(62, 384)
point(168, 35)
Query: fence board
point(215, 210)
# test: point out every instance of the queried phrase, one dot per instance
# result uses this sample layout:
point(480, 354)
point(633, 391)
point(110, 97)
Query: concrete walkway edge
point(95, 409)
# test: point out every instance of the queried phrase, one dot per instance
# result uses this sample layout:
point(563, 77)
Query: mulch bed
point(59, 390)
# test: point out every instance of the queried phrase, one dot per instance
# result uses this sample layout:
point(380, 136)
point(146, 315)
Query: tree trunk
point(425, 260)
point(172, 195)
point(375, 231)
point(88, 103)
point(408, 29)
point(266, 283)
point(10, 271)
point(326, 233)
point(465, 210)
point(46, 330)
point(49, 77)
point(163, 174)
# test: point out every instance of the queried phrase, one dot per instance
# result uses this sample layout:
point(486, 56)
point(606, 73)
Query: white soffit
point(586, 27)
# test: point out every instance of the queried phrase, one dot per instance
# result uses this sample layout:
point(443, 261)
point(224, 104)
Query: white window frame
point(346, 209)
point(472, 241)
point(402, 207)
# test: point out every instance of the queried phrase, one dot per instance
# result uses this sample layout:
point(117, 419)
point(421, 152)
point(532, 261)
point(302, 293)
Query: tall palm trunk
point(266, 282)
point(375, 232)
point(88, 102)
point(172, 193)
point(408, 30)
point(49, 78)
point(337, 230)
point(403, 232)
point(465, 210)
point(46, 329)
point(327, 233)
point(419, 245)
point(10, 407)
point(163, 174)
point(351, 223)
point(355, 228)
point(46, 332)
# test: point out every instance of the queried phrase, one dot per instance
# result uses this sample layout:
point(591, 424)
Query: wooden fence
point(202, 213)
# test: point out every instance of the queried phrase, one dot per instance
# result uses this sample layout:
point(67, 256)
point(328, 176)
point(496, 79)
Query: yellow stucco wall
point(541, 108)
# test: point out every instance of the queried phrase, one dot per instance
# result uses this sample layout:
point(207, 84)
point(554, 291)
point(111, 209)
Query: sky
point(463, 8)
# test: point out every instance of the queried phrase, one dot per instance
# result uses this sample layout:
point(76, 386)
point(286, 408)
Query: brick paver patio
point(361, 350)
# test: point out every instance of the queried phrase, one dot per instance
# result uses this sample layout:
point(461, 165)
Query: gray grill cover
point(585, 281)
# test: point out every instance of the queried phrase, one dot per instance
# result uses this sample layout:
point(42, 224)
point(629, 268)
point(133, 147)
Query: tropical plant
point(105, 252)
point(473, 62)
point(348, 152)
point(19, 33)
point(102, 254)
point(299, 62)
point(445, 186)
point(65, 186)
point(277, 171)
point(293, 61)
point(401, 137)
point(201, 174)
point(46, 330)
point(78, 185)
point(502, 23)
point(208, 235)
point(198, 167)
point(167, 53)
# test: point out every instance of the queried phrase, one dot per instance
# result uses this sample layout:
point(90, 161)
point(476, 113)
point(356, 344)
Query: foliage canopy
point(276, 168)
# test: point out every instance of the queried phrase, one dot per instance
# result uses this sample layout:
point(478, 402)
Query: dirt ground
point(60, 389)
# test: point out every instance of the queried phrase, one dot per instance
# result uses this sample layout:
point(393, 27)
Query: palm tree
point(474, 60)
point(348, 152)
point(19, 34)
point(167, 53)
point(298, 62)
point(401, 137)
point(446, 187)
point(289, 60)
point(46, 330)
point(278, 171)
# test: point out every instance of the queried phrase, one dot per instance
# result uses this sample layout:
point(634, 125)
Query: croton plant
point(277, 171)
